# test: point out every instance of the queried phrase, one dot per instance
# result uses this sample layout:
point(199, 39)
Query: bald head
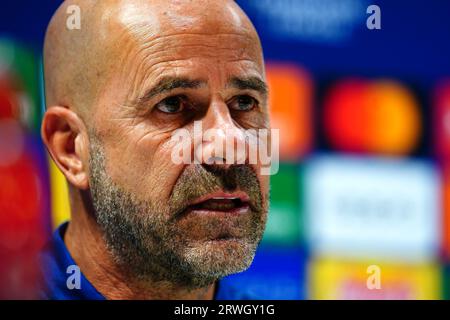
point(78, 63)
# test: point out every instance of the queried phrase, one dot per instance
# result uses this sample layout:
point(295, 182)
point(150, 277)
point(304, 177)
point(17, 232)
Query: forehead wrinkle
point(144, 58)
point(147, 60)
point(158, 50)
point(150, 70)
point(152, 54)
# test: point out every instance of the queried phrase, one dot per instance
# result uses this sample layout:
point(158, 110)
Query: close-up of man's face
point(162, 66)
point(223, 150)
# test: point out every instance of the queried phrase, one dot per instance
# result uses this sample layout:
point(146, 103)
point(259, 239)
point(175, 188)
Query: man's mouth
point(221, 202)
point(218, 216)
point(222, 205)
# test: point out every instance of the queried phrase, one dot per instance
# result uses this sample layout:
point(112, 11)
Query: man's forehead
point(199, 56)
point(181, 39)
point(161, 16)
point(171, 16)
point(182, 28)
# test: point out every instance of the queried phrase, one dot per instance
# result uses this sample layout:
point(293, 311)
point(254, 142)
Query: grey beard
point(143, 238)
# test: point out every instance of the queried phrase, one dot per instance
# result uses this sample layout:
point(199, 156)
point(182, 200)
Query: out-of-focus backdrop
point(360, 206)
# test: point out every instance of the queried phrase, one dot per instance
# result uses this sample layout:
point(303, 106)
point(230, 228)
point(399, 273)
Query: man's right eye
point(172, 105)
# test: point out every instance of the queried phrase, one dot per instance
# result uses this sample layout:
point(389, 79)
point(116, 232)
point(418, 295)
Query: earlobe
point(64, 134)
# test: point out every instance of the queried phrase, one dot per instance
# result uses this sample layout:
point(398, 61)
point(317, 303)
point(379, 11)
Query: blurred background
point(360, 206)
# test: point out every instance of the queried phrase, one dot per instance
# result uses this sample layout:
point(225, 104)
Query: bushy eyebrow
point(250, 83)
point(168, 84)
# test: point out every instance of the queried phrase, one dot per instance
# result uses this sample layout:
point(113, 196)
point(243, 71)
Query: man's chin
point(220, 257)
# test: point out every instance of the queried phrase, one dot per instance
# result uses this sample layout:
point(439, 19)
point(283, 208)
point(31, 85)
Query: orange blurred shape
point(291, 93)
point(380, 117)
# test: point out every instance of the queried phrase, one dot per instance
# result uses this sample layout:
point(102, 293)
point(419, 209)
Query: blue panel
point(276, 273)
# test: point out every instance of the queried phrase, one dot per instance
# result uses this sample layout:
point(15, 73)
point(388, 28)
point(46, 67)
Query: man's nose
point(222, 141)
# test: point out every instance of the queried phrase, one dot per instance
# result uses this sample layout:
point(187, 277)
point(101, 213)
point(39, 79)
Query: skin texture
point(107, 130)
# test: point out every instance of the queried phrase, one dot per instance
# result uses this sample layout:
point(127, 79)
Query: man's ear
point(65, 136)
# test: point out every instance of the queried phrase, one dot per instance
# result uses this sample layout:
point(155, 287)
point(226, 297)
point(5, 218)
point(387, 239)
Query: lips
point(219, 216)
point(221, 202)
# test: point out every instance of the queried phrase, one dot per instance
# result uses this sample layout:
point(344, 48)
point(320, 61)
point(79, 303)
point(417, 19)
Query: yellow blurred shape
point(59, 195)
point(331, 279)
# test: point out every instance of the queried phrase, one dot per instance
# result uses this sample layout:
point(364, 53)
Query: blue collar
point(56, 260)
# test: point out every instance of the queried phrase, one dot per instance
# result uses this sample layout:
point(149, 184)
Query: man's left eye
point(243, 103)
point(172, 105)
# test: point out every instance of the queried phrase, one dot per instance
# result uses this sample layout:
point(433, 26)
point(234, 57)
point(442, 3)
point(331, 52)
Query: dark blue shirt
point(56, 259)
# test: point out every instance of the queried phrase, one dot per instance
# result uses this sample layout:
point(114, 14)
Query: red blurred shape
point(345, 115)
point(441, 121)
point(446, 212)
point(22, 206)
point(9, 104)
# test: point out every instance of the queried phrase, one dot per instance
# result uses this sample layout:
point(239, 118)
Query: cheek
point(144, 168)
point(264, 182)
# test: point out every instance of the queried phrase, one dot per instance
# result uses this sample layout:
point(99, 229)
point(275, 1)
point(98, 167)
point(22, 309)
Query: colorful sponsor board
point(373, 207)
point(331, 279)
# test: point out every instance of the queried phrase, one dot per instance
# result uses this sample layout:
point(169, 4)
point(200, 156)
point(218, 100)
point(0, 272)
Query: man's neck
point(87, 247)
